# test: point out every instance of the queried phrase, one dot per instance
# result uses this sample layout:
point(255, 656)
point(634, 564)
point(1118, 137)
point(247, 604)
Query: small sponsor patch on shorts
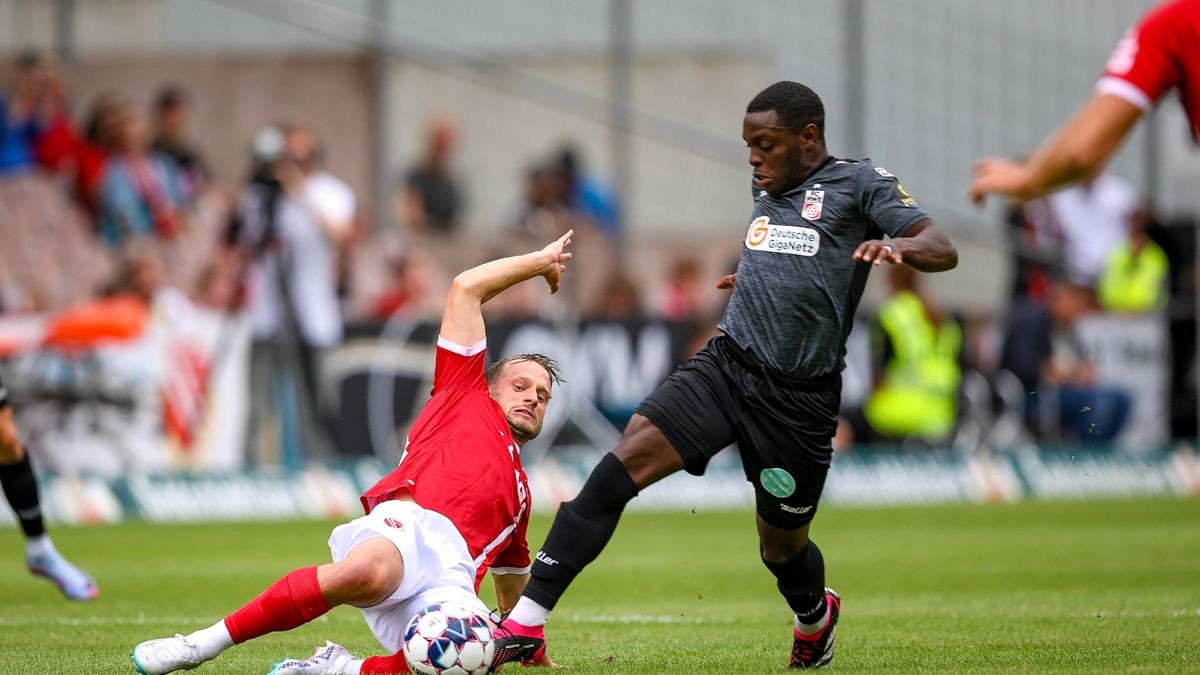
point(777, 482)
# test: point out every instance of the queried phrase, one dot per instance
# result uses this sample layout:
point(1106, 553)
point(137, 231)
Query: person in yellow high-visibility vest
point(1134, 280)
point(917, 396)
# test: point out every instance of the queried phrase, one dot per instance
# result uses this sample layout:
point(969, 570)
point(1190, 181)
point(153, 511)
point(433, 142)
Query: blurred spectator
point(588, 195)
point(1136, 277)
point(1036, 247)
point(1092, 220)
point(415, 289)
point(1042, 350)
point(217, 284)
point(57, 139)
point(290, 221)
point(21, 109)
point(432, 199)
point(683, 294)
point(171, 112)
point(620, 299)
point(546, 210)
point(86, 154)
point(140, 193)
point(919, 349)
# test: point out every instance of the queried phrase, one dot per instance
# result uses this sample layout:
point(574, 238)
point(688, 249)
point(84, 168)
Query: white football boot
point(331, 659)
point(73, 582)
point(167, 655)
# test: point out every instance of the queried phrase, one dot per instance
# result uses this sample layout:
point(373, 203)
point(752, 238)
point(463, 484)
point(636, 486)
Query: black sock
point(20, 487)
point(802, 582)
point(580, 531)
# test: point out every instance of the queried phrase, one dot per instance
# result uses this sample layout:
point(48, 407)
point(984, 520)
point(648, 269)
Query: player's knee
point(365, 580)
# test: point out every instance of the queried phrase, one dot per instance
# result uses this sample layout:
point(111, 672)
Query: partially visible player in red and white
point(456, 505)
point(1160, 54)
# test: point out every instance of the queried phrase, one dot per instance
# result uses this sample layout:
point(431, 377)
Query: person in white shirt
point(294, 219)
point(1093, 219)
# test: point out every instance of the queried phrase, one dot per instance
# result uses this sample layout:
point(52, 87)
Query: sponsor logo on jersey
point(541, 555)
point(905, 198)
point(798, 510)
point(763, 236)
point(884, 172)
point(392, 522)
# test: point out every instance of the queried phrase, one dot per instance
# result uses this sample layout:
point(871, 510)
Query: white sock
point(353, 667)
point(813, 628)
point(529, 613)
point(38, 546)
point(212, 640)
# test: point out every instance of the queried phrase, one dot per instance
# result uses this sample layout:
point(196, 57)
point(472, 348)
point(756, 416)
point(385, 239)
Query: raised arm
point(1079, 150)
point(923, 247)
point(462, 321)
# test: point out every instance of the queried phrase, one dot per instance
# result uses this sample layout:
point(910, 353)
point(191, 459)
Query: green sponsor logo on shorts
point(778, 482)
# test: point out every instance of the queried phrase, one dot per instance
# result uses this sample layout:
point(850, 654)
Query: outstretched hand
point(541, 662)
point(995, 175)
point(558, 257)
point(878, 252)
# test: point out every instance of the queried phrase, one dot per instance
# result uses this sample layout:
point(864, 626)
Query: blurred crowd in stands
point(119, 203)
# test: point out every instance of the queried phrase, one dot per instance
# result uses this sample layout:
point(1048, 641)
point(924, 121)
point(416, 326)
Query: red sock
point(385, 665)
point(292, 601)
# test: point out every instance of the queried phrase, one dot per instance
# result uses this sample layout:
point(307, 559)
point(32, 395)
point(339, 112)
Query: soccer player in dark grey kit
point(772, 382)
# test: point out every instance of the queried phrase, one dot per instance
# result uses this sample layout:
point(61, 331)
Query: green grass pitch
point(1081, 587)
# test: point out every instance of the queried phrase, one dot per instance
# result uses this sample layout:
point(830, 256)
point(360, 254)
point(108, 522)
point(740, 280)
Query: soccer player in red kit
point(457, 504)
point(1159, 54)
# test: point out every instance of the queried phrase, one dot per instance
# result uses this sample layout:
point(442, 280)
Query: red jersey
point(1159, 54)
point(462, 462)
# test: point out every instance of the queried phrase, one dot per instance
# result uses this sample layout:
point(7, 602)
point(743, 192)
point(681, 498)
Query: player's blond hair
point(551, 366)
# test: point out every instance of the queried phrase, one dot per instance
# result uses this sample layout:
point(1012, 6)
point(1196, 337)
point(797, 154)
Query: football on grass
point(448, 638)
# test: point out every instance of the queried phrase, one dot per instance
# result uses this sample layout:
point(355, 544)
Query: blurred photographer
point(289, 225)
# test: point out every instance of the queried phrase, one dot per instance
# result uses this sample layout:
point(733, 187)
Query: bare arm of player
point(508, 589)
point(462, 320)
point(1079, 150)
point(923, 247)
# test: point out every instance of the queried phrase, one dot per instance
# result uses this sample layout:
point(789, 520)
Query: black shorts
point(783, 429)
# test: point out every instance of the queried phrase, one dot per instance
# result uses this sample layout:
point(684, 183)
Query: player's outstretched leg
point(20, 488)
point(372, 571)
point(581, 530)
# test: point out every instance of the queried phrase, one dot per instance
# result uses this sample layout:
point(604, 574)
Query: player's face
point(779, 156)
point(523, 391)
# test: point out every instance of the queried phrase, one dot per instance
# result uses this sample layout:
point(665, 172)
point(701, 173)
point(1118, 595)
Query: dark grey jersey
point(797, 284)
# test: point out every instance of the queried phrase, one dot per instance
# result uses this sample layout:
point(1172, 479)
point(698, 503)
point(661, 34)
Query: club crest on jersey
point(814, 201)
point(763, 236)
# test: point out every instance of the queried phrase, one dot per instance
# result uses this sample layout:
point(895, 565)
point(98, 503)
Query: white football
point(448, 638)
